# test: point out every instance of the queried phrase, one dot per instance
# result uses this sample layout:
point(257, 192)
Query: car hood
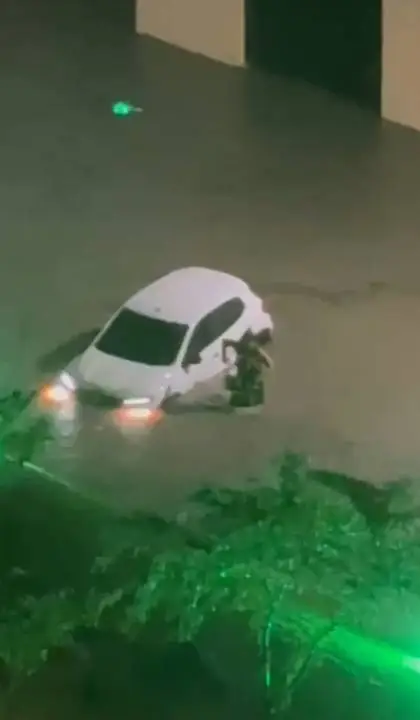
point(121, 378)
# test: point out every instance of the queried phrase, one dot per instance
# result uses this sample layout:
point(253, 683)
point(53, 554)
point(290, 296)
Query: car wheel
point(265, 336)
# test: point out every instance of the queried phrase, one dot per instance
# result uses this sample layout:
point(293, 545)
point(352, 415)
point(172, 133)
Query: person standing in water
point(246, 385)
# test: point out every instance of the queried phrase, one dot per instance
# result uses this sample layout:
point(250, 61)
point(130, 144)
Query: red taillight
point(138, 416)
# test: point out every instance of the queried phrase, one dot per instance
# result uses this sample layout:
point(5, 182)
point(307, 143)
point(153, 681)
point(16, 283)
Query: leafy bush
point(296, 559)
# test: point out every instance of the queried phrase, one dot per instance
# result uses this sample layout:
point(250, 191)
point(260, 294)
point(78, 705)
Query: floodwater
point(313, 201)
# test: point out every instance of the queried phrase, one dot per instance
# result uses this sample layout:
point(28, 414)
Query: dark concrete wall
point(335, 44)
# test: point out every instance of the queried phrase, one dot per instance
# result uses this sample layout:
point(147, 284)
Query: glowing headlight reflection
point(55, 394)
point(61, 392)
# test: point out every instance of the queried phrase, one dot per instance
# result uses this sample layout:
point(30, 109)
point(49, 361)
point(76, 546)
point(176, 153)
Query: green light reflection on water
point(370, 652)
point(341, 642)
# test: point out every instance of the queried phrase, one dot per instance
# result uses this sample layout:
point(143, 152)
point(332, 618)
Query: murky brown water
point(313, 201)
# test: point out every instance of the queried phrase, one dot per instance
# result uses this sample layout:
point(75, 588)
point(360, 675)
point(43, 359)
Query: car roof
point(187, 294)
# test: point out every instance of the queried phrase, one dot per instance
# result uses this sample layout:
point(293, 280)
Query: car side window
point(202, 336)
point(214, 325)
point(226, 315)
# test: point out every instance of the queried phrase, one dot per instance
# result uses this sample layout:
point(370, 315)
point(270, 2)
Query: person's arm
point(266, 359)
point(226, 345)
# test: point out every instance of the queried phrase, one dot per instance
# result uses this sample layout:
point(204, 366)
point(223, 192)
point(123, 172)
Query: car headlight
point(59, 392)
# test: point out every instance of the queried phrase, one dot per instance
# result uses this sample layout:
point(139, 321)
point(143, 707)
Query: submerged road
point(311, 200)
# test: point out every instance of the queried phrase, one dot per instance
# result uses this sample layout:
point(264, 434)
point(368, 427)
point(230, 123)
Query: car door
point(204, 355)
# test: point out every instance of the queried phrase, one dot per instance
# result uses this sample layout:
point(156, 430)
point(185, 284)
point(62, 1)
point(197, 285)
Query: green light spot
point(123, 108)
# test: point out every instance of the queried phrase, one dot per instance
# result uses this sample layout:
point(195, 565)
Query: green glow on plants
point(267, 651)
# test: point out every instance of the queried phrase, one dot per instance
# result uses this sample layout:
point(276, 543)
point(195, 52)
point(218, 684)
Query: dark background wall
point(335, 44)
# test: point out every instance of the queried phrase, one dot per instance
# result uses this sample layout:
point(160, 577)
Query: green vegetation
point(314, 577)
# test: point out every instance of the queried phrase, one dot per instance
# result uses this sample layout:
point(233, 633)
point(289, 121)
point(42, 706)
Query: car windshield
point(142, 339)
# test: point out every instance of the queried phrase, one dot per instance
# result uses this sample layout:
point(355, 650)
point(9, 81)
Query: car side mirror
point(193, 359)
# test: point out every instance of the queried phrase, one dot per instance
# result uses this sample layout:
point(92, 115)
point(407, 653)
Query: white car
point(167, 338)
